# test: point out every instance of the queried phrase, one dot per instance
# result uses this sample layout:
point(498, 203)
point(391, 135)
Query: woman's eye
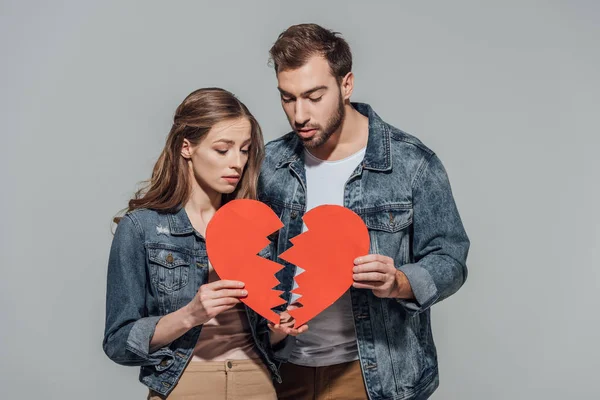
point(245, 151)
point(221, 151)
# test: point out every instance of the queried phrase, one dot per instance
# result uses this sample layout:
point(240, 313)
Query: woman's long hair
point(169, 187)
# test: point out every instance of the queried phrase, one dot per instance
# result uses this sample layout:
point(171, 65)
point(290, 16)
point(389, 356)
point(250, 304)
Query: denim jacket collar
point(179, 223)
point(377, 155)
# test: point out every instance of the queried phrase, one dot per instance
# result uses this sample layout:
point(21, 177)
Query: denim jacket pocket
point(390, 219)
point(390, 230)
point(169, 267)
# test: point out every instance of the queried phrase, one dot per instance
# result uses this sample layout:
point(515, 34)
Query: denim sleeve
point(128, 328)
point(440, 243)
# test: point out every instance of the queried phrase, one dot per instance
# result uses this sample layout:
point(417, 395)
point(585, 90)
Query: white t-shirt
point(331, 338)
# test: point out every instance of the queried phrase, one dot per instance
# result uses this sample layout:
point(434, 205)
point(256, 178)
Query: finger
point(287, 324)
point(294, 306)
point(291, 331)
point(303, 329)
point(225, 283)
point(375, 266)
point(298, 331)
point(222, 301)
point(371, 258)
point(229, 293)
point(365, 259)
point(276, 328)
point(285, 318)
point(358, 285)
point(370, 277)
point(208, 288)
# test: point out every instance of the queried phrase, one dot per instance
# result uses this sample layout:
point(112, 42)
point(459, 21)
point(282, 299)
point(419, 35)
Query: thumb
point(293, 306)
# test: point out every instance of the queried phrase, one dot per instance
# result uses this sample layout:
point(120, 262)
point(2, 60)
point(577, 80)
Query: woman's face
point(219, 159)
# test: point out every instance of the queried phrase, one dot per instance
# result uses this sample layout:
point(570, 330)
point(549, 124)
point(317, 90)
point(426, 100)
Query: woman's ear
point(186, 149)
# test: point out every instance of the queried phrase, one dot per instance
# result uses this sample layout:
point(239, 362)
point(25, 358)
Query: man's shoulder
point(407, 142)
point(275, 149)
point(284, 141)
point(399, 139)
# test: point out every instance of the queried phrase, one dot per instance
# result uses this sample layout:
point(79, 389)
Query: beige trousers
point(222, 380)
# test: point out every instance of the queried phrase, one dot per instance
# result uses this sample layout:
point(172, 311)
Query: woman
point(166, 309)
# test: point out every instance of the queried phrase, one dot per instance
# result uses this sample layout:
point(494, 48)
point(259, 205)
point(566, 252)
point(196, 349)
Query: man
point(375, 342)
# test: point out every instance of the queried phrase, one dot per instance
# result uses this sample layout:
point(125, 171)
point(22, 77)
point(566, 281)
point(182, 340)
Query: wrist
point(403, 288)
point(188, 317)
point(276, 337)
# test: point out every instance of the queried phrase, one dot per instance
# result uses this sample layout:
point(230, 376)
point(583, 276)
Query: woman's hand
point(214, 298)
point(210, 300)
point(285, 326)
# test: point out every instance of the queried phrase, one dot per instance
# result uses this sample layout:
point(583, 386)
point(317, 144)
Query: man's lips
point(307, 133)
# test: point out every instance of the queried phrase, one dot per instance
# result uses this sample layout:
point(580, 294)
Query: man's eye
point(286, 100)
point(316, 100)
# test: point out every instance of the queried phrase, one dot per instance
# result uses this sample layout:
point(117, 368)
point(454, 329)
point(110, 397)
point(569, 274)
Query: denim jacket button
point(294, 214)
point(169, 258)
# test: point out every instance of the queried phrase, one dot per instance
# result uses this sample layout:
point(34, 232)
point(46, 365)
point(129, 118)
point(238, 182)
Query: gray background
point(507, 93)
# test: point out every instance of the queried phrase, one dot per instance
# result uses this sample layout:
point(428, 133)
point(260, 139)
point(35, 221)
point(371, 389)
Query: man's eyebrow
point(303, 94)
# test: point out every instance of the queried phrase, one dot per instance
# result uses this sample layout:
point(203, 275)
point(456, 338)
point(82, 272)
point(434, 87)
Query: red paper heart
point(335, 236)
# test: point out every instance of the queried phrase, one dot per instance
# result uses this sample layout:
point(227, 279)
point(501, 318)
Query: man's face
point(312, 101)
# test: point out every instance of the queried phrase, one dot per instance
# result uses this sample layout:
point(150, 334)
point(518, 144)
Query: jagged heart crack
point(325, 253)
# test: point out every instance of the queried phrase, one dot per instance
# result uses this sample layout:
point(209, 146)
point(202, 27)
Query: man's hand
point(378, 273)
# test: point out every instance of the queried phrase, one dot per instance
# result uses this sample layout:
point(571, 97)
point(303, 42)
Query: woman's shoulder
point(145, 218)
point(142, 213)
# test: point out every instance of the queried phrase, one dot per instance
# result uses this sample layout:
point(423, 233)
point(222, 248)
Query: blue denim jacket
point(402, 193)
point(157, 263)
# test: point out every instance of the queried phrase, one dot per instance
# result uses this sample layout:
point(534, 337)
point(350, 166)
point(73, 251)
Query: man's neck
point(351, 136)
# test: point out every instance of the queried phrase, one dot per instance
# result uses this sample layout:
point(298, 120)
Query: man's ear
point(347, 85)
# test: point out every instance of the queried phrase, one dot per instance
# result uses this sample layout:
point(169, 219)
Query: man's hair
point(298, 43)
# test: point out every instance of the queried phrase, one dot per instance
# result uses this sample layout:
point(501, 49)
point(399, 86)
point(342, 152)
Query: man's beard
point(333, 124)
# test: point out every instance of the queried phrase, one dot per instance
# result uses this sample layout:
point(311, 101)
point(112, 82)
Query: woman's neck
point(201, 206)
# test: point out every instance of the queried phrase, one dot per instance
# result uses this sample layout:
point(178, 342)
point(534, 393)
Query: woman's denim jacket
point(157, 263)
